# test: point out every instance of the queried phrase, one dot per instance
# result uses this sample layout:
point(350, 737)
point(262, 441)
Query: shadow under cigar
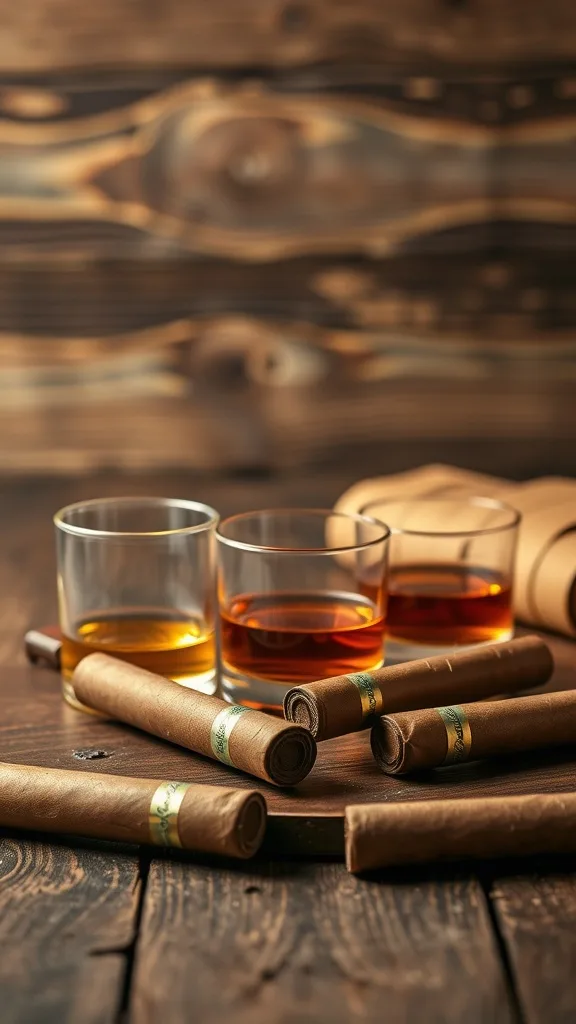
point(497, 768)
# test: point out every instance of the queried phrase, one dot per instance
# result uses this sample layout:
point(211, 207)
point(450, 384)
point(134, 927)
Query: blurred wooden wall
point(275, 235)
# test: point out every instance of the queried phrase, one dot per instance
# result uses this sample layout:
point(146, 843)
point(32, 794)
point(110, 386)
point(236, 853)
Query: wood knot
point(229, 168)
point(294, 17)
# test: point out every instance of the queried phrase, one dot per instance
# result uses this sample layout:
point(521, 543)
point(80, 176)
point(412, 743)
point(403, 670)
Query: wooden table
point(94, 933)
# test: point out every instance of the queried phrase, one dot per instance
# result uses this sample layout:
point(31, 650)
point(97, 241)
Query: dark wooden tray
point(37, 727)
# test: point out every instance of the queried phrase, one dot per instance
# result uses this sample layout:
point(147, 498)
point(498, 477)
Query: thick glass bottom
point(400, 651)
point(262, 694)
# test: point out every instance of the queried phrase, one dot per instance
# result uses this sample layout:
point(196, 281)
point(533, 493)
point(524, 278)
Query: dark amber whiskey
point(448, 605)
point(179, 649)
point(288, 637)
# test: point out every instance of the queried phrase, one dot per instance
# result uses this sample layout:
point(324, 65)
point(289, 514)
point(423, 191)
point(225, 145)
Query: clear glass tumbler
point(451, 574)
point(136, 580)
point(302, 596)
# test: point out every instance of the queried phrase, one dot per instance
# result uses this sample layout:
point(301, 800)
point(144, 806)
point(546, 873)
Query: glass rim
point(477, 531)
point(212, 517)
point(324, 550)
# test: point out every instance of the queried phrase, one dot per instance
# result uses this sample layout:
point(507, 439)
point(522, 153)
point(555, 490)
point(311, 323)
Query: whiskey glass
point(450, 576)
point(136, 580)
point(302, 596)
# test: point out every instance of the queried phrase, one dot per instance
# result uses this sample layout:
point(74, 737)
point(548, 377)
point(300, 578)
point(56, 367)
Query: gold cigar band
point(221, 730)
point(164, 809)
point(370, 693)
point(458, 734)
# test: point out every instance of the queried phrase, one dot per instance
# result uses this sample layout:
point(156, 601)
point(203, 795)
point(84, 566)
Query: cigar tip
point(252, 824)
point(387, 745)
point(291, 756)
point(300, 709)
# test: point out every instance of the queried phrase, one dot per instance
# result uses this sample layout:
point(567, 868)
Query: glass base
point(205, 682)
point(262, 694)
point(400, 651)
point(72, 700)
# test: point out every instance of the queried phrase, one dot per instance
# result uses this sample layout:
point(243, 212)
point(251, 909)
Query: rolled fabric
point(342, 704)
point(208, 819)
point(415, 740)
point(241, 737)
point(545, 568)
point(423, 831)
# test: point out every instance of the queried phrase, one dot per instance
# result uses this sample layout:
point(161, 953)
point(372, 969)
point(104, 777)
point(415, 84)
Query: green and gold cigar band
point(457, 733)
point(370, 694)
point(164, 809)
point(221, 730)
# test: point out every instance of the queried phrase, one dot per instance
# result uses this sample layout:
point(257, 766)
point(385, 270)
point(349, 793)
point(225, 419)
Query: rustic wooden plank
point(244, 171)
point(57, 34)
point(492, 96)
point(67, 920)
point(225, 425)
point(149, 308)
point(302, 941)
point(176, 344)
point(260, 170)
point(536, 915)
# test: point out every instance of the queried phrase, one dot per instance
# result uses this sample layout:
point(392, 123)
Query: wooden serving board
point(37, 727)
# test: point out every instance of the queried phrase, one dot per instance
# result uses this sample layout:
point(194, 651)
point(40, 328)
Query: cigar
point(44, 645)
point(208, 819)
point(243, 738)
point(415, 740)
point(384, 835)
point(333, 707)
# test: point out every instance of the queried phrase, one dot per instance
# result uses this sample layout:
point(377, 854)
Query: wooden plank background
point(315, 232)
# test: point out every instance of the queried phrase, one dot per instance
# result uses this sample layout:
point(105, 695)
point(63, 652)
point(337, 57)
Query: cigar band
point(221, 730)
point(370, 693)
point(457, 733)
point(163, 816)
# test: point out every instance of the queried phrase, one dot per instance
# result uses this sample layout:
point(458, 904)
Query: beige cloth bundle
point(545, 577)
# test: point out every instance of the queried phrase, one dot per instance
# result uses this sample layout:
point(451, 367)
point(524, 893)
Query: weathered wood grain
point(57, 34)
point(297, 427)
point(304, 942)
point(67, 919)
point(259, 171)
point(147, 308)
point(209, 366)
point(251, 174)
point(535, 913)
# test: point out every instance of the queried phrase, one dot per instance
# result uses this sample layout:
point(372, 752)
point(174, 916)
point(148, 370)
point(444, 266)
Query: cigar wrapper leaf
point(392, 834)
point(264, 746)
point(416, 740)
point(347, 703)
point(205, 819)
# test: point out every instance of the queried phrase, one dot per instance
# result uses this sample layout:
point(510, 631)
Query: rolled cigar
point(413, 740)
point(44, 645)
point(383, 835)
point(241, 737)
point(333, 707)
point(208, 819)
